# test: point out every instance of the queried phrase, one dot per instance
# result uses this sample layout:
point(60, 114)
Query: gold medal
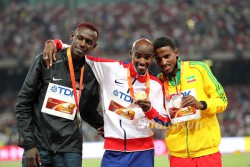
point(142, 95)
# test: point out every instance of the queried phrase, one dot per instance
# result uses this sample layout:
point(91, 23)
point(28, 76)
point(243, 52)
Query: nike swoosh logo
point(56, 79)
point(118, 82)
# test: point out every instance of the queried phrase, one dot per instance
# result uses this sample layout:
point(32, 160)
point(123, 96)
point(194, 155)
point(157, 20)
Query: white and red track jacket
point(126, 127)
point(125, 124)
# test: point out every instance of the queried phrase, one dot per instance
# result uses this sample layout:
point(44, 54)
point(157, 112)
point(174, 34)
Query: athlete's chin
point(166, 72)
point(80, 52)
point(141, 72)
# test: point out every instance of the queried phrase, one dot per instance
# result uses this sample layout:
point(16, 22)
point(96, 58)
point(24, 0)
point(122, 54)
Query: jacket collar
point(134, 74)
point(177, 75)
point(76, 63)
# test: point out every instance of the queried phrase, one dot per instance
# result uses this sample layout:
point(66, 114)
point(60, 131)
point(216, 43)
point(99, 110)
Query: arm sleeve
point(157, 111)
point(217, 100)
point(102, 67)
point(59, 44)
point(25, 106)
point(153, 114)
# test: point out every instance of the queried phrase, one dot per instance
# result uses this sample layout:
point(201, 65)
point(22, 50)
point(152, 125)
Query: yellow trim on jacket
point(197, 137)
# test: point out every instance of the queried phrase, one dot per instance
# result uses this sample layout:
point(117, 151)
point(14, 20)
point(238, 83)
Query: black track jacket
point(41, 130)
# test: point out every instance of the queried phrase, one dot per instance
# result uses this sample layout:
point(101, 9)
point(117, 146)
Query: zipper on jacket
point(125, 138)
point(187, 140)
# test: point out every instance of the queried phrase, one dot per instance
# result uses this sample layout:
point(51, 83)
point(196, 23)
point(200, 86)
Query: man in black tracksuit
point(51, 139)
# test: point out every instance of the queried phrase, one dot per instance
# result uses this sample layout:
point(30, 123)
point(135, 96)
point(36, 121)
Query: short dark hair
point(90, 26)
point(164, 41)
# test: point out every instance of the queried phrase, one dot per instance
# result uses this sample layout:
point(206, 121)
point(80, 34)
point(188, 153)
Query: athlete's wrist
point(204, 105)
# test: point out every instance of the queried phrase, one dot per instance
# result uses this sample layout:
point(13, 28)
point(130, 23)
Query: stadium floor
point(229, 160)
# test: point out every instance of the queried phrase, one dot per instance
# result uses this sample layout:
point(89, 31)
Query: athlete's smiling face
point(142, 54)
point(83, 41)
point(166, 59)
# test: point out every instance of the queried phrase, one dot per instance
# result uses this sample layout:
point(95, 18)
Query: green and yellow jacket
point(202, 136)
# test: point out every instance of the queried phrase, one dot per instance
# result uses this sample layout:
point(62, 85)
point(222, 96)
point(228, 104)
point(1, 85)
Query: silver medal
point(176, 101)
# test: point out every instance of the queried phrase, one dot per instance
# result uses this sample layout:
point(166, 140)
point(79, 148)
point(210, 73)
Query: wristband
point(204, 105)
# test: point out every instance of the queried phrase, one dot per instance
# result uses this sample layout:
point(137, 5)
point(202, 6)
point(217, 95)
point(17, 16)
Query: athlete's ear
point(72, 35)
point(176, 52)
point(130, 54)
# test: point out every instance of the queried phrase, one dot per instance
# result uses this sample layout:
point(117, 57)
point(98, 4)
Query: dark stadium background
point(217, 32)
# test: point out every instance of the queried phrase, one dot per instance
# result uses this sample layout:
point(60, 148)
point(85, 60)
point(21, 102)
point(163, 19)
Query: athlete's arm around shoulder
point(216, 100)
point(100, 66)
point(103, 68)
point(50, 49)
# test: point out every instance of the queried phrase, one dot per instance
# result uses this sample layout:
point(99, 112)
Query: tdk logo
point(123, 96)
point(116, 93)
point(53, 88)
point(182, 94)
point(62, 91)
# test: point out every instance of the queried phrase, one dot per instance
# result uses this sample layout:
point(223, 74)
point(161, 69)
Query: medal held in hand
point(178, 114)
point(142, 95)
point(176, 101)
point(174, 106)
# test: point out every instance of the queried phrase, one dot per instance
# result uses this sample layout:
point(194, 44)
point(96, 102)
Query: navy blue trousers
point(128, 159)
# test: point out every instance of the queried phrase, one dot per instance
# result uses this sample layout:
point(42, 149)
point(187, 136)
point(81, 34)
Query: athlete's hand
point(32, 158)
point(49, 53)
point(144, 104)
point(100, 131)
point(191, 101)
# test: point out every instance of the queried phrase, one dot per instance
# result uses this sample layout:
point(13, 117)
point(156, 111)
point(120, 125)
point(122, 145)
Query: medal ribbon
point(165, 84)
point(73, 81)
point(131, 89)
